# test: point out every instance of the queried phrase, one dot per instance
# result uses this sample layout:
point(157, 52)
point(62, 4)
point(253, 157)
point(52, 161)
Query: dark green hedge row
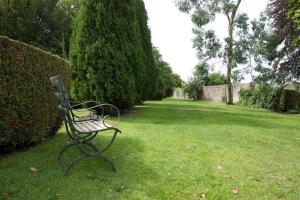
point(289, 100)
point(28, 108)
point(273, 98)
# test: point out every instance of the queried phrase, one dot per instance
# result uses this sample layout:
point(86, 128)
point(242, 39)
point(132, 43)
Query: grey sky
point(172, 32)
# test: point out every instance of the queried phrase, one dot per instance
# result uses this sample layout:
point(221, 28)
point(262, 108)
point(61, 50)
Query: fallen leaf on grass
point(202, 196)
point(121, 189)
point(234, 190)
point(8, 194)
point(220, 167)
point(33, 169)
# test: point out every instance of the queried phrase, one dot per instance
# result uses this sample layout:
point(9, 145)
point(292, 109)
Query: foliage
point(274, 98)
point(285, 16)
point(42, 23)
point(165, 81)
point(216, 79)
point(235, 47)
point(28, 105)
point(264, 45)
point(202, 77)
point(260, 96)
point(177, 81)
point(148, 60)
point(201, 73)
point(294, 13)
point(289, 100)
point(170, 149)
point(193, 88)
point(111, 55)
point(106, 53)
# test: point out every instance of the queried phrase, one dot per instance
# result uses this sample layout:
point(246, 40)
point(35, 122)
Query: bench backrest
point(60, 92)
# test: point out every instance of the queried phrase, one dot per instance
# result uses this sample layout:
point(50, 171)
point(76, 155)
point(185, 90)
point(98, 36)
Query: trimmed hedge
point(289, 100)
point(28, 107)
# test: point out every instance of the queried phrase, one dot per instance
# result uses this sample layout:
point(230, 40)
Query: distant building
point(179, 94)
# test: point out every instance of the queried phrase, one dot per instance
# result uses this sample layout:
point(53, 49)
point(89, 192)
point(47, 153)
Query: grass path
point(172, 150)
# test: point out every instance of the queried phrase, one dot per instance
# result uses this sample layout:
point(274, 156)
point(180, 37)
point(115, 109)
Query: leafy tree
point(193, 88)
point(216, 79)
point(165, 83)
point(177, 81)
point(286, 20)
point(104, 52)
point(208, 45)
point(200, 78)
point(294, 13)
point(43, 23)
point(201, 72)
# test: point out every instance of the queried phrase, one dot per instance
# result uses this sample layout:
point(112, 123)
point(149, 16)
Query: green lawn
point(171, 150)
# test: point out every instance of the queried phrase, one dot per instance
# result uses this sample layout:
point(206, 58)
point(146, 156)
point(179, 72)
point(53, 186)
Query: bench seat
point(90, 126)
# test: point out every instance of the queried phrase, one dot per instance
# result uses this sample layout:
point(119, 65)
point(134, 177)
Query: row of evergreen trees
point(110, 49)
point(112, 57)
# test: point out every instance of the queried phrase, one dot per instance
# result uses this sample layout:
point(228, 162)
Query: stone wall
point(214, 93)
point(219, 92)
point(236, 90)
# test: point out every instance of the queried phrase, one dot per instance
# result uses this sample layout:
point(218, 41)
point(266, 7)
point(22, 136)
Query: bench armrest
point(103, 116)
point(106, 117)
point(83, 103)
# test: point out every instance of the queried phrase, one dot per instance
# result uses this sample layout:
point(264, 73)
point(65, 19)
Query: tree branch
point(228, 18)
point(233, 14)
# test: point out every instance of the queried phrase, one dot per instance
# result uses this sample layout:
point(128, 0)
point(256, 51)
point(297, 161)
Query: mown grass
point(174, 149)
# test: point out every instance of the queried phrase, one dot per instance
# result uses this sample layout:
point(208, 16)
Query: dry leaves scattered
point(33, 169)
point(234, 190)
point(202, 196)
point(121, 189)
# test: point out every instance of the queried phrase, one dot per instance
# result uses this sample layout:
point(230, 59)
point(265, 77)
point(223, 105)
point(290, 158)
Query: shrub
point(272, 98)
point(194, 88)
point(216, 79)
point(28, 106)
point(260, 96)
point(289, 100)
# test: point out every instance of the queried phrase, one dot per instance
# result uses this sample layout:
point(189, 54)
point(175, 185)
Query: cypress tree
point(151, 72)
point(106, 54)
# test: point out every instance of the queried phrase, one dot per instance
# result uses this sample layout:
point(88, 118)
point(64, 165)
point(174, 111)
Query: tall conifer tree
point(106, 53)
point(145, 38)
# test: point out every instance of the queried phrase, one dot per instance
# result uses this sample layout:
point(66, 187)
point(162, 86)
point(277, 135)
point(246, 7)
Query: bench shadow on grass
point(126, 153)
point(170, 114)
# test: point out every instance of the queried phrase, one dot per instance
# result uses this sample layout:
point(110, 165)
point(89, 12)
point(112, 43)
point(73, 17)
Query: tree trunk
point(230, 60)
point(229, 65)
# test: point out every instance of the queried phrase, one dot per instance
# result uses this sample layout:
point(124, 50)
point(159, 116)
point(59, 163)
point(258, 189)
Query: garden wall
point(218, 92)
point(179, 94)
point(28, 107)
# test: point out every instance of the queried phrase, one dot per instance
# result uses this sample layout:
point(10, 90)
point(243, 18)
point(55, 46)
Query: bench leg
point(97, 154)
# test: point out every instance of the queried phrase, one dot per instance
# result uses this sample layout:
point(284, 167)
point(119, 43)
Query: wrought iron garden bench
point(83, 128)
